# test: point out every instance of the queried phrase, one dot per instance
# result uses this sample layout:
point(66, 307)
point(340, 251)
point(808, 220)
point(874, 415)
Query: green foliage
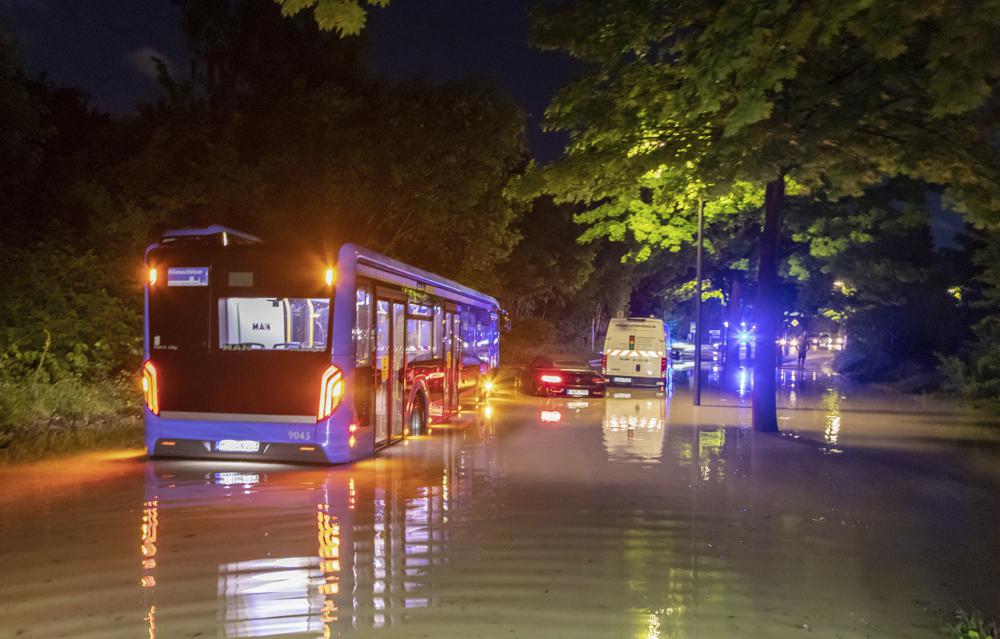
point(982, 361)
point(62, 316)
point(346, 17)
point(692, 99)
point(39, 418)
point(971, 626)
point(686, 291)
point(869, 263)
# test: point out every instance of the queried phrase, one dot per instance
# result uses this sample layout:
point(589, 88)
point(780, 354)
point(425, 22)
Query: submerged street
point(634, 516)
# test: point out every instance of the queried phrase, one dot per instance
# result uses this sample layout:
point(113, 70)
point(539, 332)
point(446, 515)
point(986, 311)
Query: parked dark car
point(561, 376)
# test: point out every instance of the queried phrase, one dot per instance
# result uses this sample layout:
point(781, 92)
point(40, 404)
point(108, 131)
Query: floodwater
point(635, 516)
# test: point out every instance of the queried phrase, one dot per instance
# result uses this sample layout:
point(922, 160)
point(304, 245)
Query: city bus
point(254, 352)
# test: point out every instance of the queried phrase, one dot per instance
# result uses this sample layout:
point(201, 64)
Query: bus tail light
point(604, 362)
point(663, 366)
point(150, 390)
point(330, 393)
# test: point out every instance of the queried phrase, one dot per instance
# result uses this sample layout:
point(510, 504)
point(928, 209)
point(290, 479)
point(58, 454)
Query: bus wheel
point(418, 417)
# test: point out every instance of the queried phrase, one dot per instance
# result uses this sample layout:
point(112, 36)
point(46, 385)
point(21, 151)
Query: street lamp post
point(697, 307)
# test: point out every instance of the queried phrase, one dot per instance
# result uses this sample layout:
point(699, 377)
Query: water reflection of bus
point(259, 353)
point(310, 553)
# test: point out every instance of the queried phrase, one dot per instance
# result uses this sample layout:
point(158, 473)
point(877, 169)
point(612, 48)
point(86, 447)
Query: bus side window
point(363, 326)
point(438, 351)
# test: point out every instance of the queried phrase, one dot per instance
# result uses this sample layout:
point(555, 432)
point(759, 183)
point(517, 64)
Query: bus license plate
point(237, 446)
point(577, 392)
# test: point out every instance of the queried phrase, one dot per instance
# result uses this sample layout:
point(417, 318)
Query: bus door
point(451, 365)
point(390, 352)
point(383, 362)
point(456, 358)
point(398, 368)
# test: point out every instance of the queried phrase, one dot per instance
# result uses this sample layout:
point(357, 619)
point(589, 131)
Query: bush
point(531, 336)
point(971, 626)
point(54, 325)
point(38, 418)
point(952, 372)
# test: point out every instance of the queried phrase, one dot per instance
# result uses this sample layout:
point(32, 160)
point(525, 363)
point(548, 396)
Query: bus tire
point(418, 416)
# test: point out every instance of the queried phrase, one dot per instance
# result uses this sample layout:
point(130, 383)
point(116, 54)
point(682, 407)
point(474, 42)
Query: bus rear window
point(273, 323)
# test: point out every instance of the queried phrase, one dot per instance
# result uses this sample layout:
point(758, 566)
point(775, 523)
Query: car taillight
point(551, 379)
point(663, 366)
point(597, 380)
point(150, 391)
point(331, 391)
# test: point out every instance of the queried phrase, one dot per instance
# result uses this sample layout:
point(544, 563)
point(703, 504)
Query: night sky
point(103, 47)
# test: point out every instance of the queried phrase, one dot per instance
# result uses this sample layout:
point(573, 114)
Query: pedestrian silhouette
point(803, 347)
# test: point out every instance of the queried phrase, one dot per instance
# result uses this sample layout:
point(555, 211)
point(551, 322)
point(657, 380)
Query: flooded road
point(873, 516)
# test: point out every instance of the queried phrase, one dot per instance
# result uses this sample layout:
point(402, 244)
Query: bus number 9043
point(299, 435)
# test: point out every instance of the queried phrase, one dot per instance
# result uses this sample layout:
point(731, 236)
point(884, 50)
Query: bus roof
point(360, 254)
point(202, 240)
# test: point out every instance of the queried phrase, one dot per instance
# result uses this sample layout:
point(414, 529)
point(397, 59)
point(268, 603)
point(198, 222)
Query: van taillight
point(331, 391)
point(150, 390)
point(663, 366)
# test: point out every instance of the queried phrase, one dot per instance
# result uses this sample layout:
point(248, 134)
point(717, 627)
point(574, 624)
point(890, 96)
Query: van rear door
point(634, 348)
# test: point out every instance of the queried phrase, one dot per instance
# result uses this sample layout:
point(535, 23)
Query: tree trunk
point(765, 409)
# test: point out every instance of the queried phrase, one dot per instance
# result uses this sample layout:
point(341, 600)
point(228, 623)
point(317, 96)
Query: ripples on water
point(626, 517)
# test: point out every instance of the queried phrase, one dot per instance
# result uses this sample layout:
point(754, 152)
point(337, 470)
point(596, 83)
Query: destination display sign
point(187, 276)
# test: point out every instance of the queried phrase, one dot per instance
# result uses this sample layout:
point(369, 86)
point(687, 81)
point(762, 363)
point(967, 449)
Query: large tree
point(280, 131)
point(684, 100)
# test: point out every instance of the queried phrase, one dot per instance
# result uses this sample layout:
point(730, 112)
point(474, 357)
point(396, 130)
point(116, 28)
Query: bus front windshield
point(273, 323)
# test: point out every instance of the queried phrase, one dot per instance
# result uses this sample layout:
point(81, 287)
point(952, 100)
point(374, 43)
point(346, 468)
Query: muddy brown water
point(872, 516)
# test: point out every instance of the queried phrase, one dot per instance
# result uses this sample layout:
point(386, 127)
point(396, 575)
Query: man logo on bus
point(262, 326)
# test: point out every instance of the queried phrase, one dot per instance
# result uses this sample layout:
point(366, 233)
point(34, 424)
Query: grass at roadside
point(971, 626)
point(39, 419)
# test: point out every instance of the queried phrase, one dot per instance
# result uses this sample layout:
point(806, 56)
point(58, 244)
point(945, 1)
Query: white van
point(635, 352)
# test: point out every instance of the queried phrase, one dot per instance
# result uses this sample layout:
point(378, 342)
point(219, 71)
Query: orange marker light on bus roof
point(331, 276)
point(152, 276)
